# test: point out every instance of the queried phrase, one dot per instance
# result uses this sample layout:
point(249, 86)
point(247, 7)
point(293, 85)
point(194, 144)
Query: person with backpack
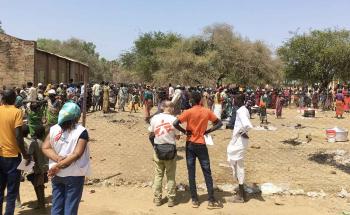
point(164, 144)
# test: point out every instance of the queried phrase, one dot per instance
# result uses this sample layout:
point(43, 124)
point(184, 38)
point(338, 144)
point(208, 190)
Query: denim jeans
point(66, 194)
point(96, 102)
point(199, 151)
point(10, 178)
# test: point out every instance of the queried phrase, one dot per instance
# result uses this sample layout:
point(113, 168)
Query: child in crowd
point(39, 175)
point(135, 100)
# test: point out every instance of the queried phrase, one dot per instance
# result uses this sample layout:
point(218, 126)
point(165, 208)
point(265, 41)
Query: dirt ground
point(138, 201)
point(122, 167)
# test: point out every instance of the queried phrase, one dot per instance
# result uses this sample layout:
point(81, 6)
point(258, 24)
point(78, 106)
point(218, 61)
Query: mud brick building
point(21, 61)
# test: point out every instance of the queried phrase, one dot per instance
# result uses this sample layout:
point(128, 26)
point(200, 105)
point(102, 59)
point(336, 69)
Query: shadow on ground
point(30, 208)
point(184, 197)
point(329, 159)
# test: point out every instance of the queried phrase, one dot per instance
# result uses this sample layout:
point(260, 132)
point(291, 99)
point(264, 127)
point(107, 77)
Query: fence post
point(85, 96)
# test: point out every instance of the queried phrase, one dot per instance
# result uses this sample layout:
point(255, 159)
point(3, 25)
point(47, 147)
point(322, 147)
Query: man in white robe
point(238, 145)
point(176, 100)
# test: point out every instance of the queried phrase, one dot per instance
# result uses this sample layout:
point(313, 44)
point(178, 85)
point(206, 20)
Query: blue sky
point(114, 25)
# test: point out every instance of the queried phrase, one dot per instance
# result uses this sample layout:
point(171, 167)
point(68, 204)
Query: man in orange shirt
point(197, 119)
point(11, 146)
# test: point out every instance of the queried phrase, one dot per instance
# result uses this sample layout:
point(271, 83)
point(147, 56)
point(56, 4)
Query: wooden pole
point(85, 95)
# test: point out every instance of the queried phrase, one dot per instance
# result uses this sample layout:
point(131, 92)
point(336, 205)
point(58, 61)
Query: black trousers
point(199, 151)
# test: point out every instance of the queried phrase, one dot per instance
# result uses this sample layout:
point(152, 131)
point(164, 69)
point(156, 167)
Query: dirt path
point(138, 201)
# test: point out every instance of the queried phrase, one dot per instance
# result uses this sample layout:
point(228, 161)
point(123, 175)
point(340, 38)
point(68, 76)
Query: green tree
point(142, 59)
point(1, 29)
point(219, 55)
point(227, 48)
point(318, 56)
point(240, 60)
point(187, 62)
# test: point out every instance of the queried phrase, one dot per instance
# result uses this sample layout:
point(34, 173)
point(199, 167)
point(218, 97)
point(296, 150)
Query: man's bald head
point(168, 107)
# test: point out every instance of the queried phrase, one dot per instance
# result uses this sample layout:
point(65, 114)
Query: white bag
point(208, 140)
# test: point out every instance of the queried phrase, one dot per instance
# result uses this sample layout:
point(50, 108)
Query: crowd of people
point(107, 96)
point(234, 104)
point(110, 97)
point(41, 123)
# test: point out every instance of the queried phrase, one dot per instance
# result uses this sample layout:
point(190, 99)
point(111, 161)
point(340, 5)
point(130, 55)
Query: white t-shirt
point(32, 94)
point(96, 89)
point(162, 126)
point(171, 91)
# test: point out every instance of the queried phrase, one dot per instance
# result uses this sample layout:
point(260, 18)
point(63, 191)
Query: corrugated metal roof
point(60, 56)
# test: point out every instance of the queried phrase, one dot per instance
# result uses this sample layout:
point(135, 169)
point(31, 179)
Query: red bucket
point(331, 134)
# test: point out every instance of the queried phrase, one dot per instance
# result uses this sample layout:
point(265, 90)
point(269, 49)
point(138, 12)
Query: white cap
point(40, 84)
point(52, 91)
